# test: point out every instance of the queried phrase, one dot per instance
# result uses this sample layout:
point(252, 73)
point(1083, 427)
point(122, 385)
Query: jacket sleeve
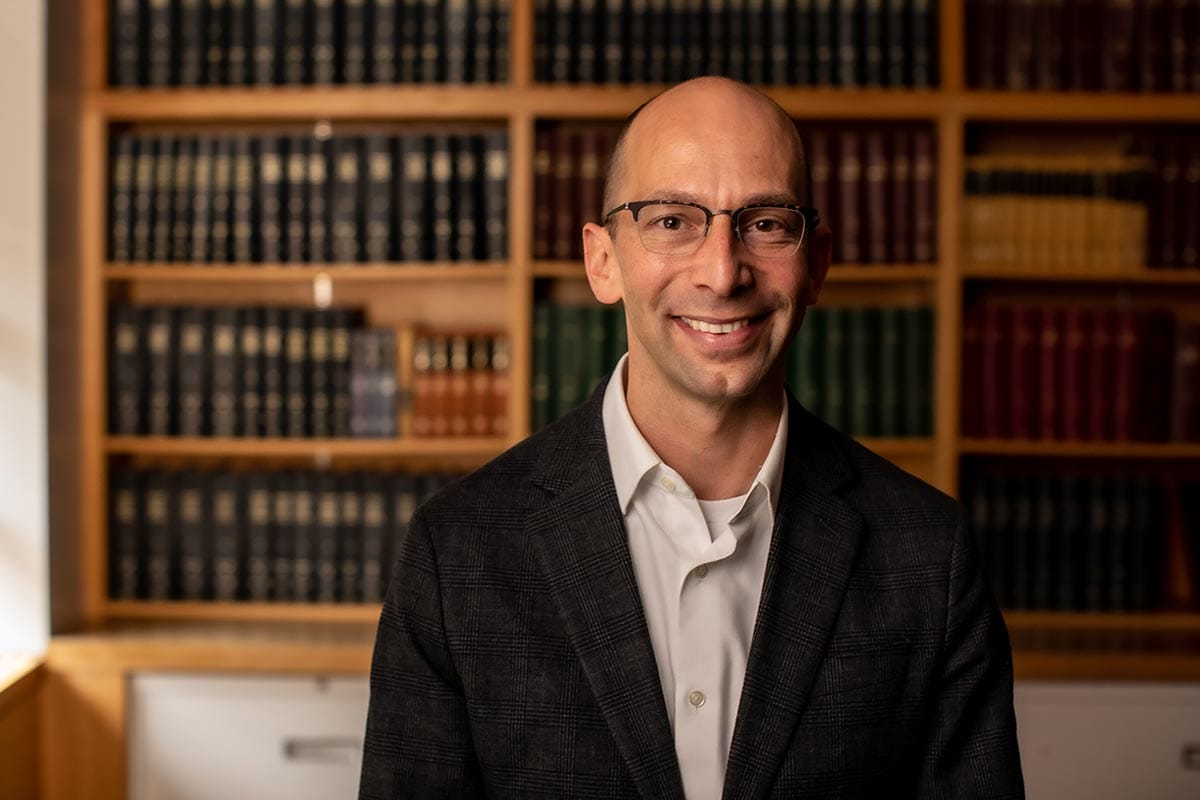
point(971, 751)
point(418, 739)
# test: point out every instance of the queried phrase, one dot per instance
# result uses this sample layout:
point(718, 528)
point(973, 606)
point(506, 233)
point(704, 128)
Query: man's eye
point(767, 225)
point(667, 223)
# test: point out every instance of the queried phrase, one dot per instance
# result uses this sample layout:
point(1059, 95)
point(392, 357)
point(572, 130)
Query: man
point(689, 586)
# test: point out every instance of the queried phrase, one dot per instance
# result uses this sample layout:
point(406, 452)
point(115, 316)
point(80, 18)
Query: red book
point(564, 243)
point(924, 199)
point(876, 186)
point(995, 357)
point(1185, 383)
point(1050, 374)
point(1189, 211)
point(422, 388)
point(439, 386)
point(479, 395)
point(972, 423)
point(543, 193)
point(458, 387)
point(820, 165)
point(1101, 380)
point(591, 183)
point(849, 234)
point(1023, 373)
point(900, 212)
point(1075, 410)
point(1129, 386)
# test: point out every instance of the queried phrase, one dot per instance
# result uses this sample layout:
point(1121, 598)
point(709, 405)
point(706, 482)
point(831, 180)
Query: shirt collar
point(631, 456)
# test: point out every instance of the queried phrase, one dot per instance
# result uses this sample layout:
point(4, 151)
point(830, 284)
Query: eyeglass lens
point(677, 229)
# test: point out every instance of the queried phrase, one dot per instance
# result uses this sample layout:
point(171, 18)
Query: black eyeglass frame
point(812, 218)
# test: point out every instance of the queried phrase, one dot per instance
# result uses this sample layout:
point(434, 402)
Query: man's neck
point(717, 450)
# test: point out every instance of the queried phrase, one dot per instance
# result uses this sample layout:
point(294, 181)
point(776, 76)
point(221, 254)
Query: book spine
point(1018, 46)
point(849, 243)
point(242, 211)
point(495, 196)
point(542, 410)
point(143, 198)
point(565, 243)
point(160, 43)
point(971, 424)
point(269, 201)
point(120, 209)
point(377, 201)
point(781, 34)
point(441, 174)
point(861, 389)
point(320, 346)
point(350, 540)
point(383, 32)
point(216, 42)
point(408, 50)
point(1129, 377)
point(339, 371)
point(250, 362)
point(127, 415)
point(164, 170)
point(294, 65)
point(351, 58)
point(202, 197)
point(889, 373)
point(1045, 529)
point(422, 386)
point(192, 529)
point(456, 54)
point(296, 202)
point(804, 53)
point(586, 27)
point(317, 201)
point(637, 42)
point(994, 324)
point(127, 29)
point(439, 385)
point(696, 38)
point(717, 39)
point(833, 402)
point(412, 204)
point(160, 358)
point(194, 365)
point(303, 545)
point(158, 498)
point(877, 185)
point(479, 390)
point(267, 45)
point(344, 212)
point(237, 65)
point(1101, 375)
point(924, 198)
point(256, 491)
point(1048, 50)
point(458, 387)
point(1117, 65)
point(1095, 579)
point(375, 552)
point(1022, 535)
point(735, 58)
point(229, 552)
point(501, 364)
point(1023, 389)
point(326, 555)
point(922, 74)
point(809, 371)
point(192, 53)
point(1185, 383)
point(567, 330)
point(283, 535)
point(1189, 212)
point(1121, 543)
point(1177, 43)
point(999, 539)
point(432, 68)
point(1050, 353)
point(323, 40)
point(467, 186)
point(849, 34)
point(227, 371)
point(895, 43)
point(757, 43)
point(127, 538)
point(872, 58)
point(295, 374)
point(543, 192)
point(1075, 408)
point(482, 66)
point(221, 203)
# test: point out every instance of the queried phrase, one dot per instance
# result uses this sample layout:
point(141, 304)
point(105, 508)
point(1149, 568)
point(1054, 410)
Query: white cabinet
point(1109, 741)
point(194, 737)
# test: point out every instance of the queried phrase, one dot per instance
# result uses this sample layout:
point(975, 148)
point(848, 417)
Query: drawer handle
point(333, 750)
point(1191, 756)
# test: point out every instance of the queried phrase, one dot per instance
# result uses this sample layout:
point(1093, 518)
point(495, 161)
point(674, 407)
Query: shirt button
point(696, 699)
point(701, 571)
point(668, 484)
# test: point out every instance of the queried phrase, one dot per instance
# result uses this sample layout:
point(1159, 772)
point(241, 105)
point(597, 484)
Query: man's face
point(728, 155)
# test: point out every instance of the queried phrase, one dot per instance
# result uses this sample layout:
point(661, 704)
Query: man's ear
point(600, 262)
point(820, 254)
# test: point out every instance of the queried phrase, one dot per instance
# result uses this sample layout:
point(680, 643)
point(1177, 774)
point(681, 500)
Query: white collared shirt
point(699, 567)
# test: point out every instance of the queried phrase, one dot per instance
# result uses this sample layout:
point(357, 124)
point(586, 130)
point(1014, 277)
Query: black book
point(563, 65)
point(411, 192)
point(457, 14)
point(192, 528)
point(735, 58)
point(295, 373)
point(143, 198)
point(320, 402)
point(227, 372)
point(432, 67)
point(823, 42)
point(872, 56)
point(375, 552)
point(895, 42)
point(158, 498)
point(1096, 545)
point(229, 552)
point(441, 174)
point(204, 48)
point(194, 364)
point(408, 49)
point(611, 35)
point(999, 539)
point(1022, 532)
point(164, 167)
point(323, 39)
point(803, 59)
point(978, 509)
point(241, 217)
point(294, 44)
point(339, 321)
point(250, 364)
point(717, 43)
point(350, 540)
point(1146, 551)
point(161, 43)
point(127, 369)
point(126, 43)
point(268, 206)
point(120, 198)
point(921, 40)
point(221, 246)
point(495, 196)
point(1047, 44)
point(295, 218)
point(383, 31)
point(255, 493)
point(237, 63)
point(364, 365)
point(849, 26)
point(1121, 529)
point(317, 204)
point(126, 537)
point(274, 422)
point(353, 41)
point(181, 212)
point(202, 199)
point(303, 539)
point(502, 23)
point(917, 345)
point(377, 200)
point(1069, 552)
point(405, 497)
point(160, 372)
point(382, 395)
point(283, 535)
point(326, 555)
point(344, 214)
point(782, 42)
point(543, 44)
point(466, 198)
point(758, 45)
point(481, 64)
point(587, 24)
point(1045, 527)
point(266, 42)
point(694, 32)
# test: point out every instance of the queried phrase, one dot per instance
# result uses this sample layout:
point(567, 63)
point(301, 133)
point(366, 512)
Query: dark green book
point(1096, 544)
point(1022, 533)
point(889, 374)
point(595, 349)
point(917, 344)
point(999, 554)
point(567, 377)
point(808, 362)
point(1046, 520)
point(833, 405)
point(1069, 552)
point(861, 390)
point(542, 411)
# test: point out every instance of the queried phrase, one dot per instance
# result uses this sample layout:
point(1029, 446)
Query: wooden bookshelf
point(1152, 277)
point(457, 272)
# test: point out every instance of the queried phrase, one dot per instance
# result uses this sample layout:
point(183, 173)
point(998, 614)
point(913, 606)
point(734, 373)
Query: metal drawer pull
point(1191, 756)
point(333, 750)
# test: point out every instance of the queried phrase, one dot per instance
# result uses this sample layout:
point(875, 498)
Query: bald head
point(704, 106)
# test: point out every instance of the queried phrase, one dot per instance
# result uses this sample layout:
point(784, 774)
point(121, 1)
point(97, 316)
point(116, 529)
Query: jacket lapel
point(579, 539)
point(812, 552)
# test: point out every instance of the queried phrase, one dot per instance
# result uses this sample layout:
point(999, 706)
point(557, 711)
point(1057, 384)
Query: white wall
point(24, 539)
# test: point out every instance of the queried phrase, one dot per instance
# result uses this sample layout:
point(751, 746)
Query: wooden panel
point(83, 734)
point(19, 698)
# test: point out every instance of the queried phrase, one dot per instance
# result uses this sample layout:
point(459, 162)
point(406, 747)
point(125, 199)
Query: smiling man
point(690, 586)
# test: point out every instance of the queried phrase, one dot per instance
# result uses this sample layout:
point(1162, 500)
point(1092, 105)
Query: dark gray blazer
point(513, 658)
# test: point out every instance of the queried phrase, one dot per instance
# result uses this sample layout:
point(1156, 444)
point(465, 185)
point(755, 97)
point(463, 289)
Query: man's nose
point(719, 265)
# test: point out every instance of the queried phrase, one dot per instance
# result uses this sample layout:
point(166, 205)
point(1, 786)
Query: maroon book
point(1178, 17)
point(1023, 373)
point(1150, 18)
point(1116, 46)
point(1075, 410)
point(1048, 44)
point(924, 198)
point(849, 237)
point(1185, 384)
point(877, 196)
point(1154, 418)
point(1050, 374)
point(971, 422)
point(1101, 376)
point(900, 211)
point(565, 161)
point(820, 164)
point(1189, 211)
point(591, 181)
point(1129, 350)
point(1018, 45)
point(543, 193)
point(995, 357)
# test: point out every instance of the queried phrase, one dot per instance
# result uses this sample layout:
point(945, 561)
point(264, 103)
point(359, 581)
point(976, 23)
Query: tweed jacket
point(513, 659)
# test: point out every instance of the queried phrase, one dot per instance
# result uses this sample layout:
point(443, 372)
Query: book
point(120, 198)
point(127, 371)
point(346, 237)
point(255, 488)
point(377, 199)
point(227, 372)
point(193, 364)
point(350, 58)
point(126, 558)
point(229, 553)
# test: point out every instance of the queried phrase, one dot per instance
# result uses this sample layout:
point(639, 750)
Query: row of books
point(1064, 213)
point(866, 371)
point(249, 372)
point(1080, 374)
point(783, 42)
point(460, 385)
point(574, 346)
point(1069, 542)
point(877, 188)
point(285, 537)
point(569, 165)
point(294, 42)
point(1083, 45)
point(378, 197)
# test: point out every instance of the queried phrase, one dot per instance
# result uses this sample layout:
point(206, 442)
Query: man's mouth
point(716, 327)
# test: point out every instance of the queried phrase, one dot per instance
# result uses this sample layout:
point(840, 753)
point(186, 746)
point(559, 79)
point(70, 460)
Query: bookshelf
point(128, 635)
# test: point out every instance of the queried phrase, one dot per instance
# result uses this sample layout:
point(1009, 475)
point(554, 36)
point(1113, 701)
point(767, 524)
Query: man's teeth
point(715, 327)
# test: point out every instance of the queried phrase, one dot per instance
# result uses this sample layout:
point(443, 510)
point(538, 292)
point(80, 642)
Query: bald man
point(690, 586)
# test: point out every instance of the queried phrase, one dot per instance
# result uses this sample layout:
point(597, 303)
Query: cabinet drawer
point(1102, 741)
point(194, 737)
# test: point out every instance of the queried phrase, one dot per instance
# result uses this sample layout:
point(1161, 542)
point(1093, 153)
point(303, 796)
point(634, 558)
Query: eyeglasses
point(671, 228)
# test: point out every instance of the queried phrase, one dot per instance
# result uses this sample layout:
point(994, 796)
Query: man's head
point(714, 324)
